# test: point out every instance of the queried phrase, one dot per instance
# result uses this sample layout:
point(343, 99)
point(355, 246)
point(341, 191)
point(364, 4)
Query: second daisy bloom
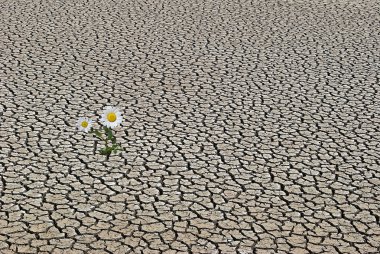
point(111, 117)
point(84, 124)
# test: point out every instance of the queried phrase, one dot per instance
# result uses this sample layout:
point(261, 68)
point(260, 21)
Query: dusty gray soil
point(250, 126)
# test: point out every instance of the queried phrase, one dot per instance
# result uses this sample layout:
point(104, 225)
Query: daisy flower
point(84, 124)
point(111, 117)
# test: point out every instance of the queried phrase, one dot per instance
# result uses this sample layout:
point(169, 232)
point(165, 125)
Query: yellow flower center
point(111, 117)
point(84, 124)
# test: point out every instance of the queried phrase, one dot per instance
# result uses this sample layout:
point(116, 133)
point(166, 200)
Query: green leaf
point(108, 132)
point(106, 150)
point(103, 151)
point(97, 133)
point(110, 136)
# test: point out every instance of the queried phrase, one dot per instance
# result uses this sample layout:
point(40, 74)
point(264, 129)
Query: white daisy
point(111, 117)
point(84, 124)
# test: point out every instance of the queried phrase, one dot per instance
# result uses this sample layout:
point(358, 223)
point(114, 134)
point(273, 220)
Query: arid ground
point(249, 126)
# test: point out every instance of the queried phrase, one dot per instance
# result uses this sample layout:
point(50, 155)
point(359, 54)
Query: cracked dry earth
point(250, 126)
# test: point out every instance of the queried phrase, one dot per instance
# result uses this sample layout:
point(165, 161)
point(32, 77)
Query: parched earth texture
point(249, 126)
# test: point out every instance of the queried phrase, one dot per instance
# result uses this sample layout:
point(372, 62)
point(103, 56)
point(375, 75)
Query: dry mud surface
point(250, 126)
